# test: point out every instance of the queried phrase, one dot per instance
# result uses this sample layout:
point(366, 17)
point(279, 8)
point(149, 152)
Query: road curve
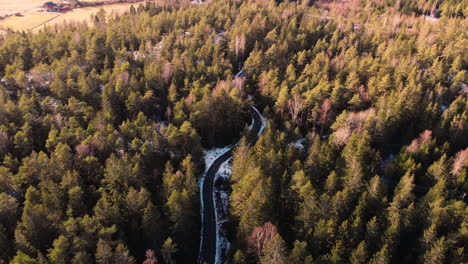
point(208, 241)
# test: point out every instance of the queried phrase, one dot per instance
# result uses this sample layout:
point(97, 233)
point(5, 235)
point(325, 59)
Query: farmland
point(32, 18)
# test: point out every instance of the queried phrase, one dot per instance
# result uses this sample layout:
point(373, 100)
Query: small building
point(64, 7)
point(50, 7)
point(53, 7)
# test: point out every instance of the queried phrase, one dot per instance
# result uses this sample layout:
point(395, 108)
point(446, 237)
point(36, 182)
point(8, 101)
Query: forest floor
point(32, 18)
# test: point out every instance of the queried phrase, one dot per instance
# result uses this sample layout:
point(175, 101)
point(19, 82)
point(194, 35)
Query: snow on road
point(251, 124)
point(209, 156)
point(221, 198)
point(220, 195)
point(264, 121)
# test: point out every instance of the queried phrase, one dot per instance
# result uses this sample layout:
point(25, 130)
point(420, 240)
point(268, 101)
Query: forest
point(103, 129)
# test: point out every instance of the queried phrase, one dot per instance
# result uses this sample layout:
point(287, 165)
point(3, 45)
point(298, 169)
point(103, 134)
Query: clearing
point(32, 18)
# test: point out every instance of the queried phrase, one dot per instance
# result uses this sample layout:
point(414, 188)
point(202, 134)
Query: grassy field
point(34, 19)
point(11, 7)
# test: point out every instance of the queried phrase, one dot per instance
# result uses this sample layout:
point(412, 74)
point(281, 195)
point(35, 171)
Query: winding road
point(208, 240)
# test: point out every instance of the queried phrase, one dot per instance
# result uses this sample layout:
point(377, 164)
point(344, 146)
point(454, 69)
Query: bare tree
point(150, 257)
point(60, 120)
point(4, 143)
point(460, 162)
point(167, 70)
point(324, 112)
point(295, 106)
point(260, 237)
point(84, 150)
point(424, 137)
point(239, 45)
point(239, 84)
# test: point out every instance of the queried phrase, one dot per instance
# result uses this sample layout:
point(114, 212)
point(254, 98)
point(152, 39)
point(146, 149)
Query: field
point(11, 7)
point(34, 19)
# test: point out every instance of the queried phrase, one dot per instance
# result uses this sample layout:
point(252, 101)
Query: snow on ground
point(264, 121)
point(221, 200)
point(209, 156)
point(251, 124)
point(443, 108)
point(225, 170)
point(220, 195)
point(299, 144)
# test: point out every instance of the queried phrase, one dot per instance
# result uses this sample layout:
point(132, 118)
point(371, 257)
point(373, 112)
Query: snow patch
point(209, 156)
point(264, 121)
point(220, 194)
point(299, 144)
point(225, 170)
point(251, 124)
point(221, 200)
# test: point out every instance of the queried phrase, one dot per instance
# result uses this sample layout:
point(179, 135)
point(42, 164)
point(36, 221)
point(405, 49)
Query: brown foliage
point(4, 142)
point(84, 150)
point(295, 106)
point(460, 161)
point(150, 257)
point(260, 237)
point(424, 137)
point(354, 121)
point(239, 45)
point(167, 71)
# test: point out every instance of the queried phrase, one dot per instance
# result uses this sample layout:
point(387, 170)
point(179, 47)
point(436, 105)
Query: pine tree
point(437, 252)
point(274, 251)
point(60, 253)
point(381, 257)
point(168, 250)
point(239, 258)
point(104, 252)
point(299, 253)
point(121, 255)
point(359, 255)
point(22, 258)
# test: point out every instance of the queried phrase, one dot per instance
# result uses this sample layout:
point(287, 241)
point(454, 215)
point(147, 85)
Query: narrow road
point(208, 243)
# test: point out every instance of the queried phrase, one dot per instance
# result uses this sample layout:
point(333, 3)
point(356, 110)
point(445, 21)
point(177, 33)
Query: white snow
point(240, 74)
point(264, 121)
point(209, 156)
point(222, 243)
point(200, 184)
point(251, 124)
point(225, 170)
point(220, 196)
point(299, 144)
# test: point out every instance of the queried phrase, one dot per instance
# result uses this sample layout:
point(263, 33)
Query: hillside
point(347, 122)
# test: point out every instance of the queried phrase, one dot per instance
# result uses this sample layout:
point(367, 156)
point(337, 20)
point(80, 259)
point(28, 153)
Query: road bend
point(208, 240)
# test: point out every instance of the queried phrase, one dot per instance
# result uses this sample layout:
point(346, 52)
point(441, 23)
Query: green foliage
point(102, 130)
